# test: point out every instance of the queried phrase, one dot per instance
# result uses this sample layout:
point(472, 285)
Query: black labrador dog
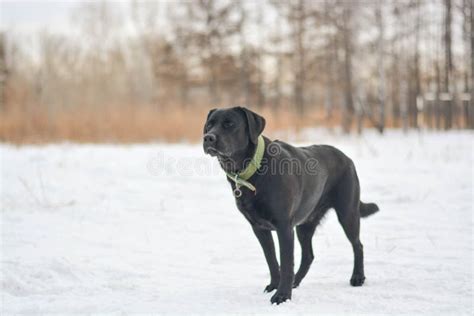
point(290, 187)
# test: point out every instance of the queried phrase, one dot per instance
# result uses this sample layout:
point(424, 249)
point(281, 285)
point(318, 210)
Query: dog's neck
point(239, 160)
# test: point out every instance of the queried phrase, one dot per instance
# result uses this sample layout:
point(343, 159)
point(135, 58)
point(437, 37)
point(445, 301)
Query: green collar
point(240, 179)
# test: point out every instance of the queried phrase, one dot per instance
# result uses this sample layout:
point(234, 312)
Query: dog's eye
point(228, 124)
point(208, 126)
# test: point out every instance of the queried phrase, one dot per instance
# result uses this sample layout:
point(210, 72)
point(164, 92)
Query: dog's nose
point(209, 139)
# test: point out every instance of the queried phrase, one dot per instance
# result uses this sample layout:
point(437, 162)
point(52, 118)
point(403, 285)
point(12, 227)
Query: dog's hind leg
point(346, 204)
point(305, 233)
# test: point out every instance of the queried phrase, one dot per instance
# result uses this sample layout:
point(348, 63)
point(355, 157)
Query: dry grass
point(129, 124)
point(125, 124)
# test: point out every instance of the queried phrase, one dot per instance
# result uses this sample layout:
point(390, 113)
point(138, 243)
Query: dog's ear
point(207, 119)
point(255, 122)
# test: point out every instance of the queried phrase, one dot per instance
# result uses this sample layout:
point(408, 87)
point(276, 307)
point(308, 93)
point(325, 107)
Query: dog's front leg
point(265, 238)
point(286, 240)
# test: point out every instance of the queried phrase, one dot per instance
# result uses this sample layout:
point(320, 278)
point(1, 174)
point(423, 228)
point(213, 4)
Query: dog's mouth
point(213, 152)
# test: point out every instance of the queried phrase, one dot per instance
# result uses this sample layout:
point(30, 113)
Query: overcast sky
point(28, 16)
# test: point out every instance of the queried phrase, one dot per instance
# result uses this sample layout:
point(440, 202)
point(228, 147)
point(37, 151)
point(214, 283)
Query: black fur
point(296, 186)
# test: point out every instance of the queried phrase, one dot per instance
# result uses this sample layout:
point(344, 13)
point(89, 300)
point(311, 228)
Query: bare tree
point(331, 66)
point(347, 39)
point(448, 64)
point(471, 106)
point(278, 54)
point(296, 15)
point(380, 65)
point(416, 67)
point(300, 75)
point(3, 70)
point(245, 90)
point(210, 25)
point(146, 21)
point(259, 57)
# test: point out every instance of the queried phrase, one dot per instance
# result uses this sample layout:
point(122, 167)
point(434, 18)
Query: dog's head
point(231, 130)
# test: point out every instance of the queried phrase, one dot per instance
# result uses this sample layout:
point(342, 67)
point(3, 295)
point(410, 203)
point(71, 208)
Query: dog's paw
point(270, 287)
point(280, 297)
point(357, 279)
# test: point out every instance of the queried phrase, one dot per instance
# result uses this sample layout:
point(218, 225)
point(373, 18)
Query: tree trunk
point(417, 92)
point(381, 67)
point(348, 110)
point(404, 99)
point(360, 102)
point(184, 89)
point(244, 73)
point(279, 67)
point(331, 68)
point(300, 55)
point(437, 102)
point(471, 101)
point(448, 65)
point(260, 76)
point(395, 86)
point(212, 84)
point(3, 71)
point(277, 82)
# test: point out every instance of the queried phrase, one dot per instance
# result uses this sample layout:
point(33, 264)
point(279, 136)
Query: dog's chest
point(254, 212)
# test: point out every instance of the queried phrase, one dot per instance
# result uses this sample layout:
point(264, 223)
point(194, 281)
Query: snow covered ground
point(153, 229)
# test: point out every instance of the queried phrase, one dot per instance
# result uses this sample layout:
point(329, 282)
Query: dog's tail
point(367, 209)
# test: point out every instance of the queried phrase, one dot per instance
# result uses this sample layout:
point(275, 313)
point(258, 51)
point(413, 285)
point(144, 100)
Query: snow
point(153, 228)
